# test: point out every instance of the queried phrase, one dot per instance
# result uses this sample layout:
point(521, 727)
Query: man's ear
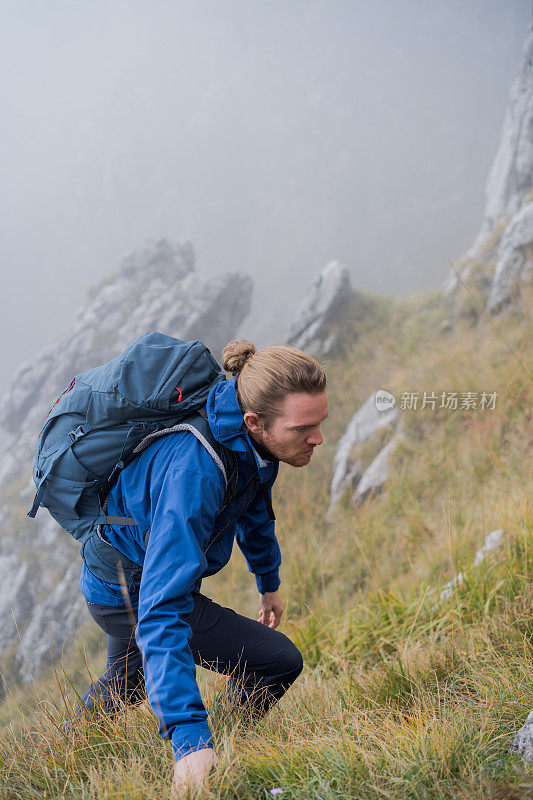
point(253, 422)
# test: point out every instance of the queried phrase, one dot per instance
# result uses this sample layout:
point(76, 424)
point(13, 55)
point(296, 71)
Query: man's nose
point(315, 438)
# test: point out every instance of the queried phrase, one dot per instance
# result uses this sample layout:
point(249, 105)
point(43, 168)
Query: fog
point(274, 134)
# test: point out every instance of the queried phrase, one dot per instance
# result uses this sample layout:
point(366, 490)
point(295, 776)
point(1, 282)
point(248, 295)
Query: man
point(270, 411)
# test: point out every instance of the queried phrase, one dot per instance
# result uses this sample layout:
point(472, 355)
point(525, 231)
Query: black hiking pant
point(261, 661)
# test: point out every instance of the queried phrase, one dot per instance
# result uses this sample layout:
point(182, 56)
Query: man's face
point(294, 434)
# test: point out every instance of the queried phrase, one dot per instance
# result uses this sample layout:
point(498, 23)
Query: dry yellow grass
point(401, 696)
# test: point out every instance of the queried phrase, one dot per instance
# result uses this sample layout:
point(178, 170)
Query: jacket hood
point(225, 420)
point(224, 415)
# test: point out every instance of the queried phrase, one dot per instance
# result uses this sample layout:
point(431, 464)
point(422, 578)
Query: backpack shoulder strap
point(198, 425)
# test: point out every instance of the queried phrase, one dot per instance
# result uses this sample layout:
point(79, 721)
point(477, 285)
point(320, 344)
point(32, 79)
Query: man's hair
point(267, 376)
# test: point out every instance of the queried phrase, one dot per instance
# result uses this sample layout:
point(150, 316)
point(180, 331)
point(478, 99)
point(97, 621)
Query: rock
point(53, 626)
point(329, 344)
point(346, 467)
point(155, 288)
point(377, 474)
point(194, 306)
point(216, 305)
point(493, 542)
point(16, 597)
point(169, 261)
point(522, 744)
point(511, 176)
point(448, 588)
point(310, 328)
point(515, 261)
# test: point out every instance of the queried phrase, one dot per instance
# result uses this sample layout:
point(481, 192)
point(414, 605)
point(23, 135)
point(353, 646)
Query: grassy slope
point(401, 697)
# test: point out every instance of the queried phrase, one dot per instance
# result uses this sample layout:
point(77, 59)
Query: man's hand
point(192, 770)
point(271, 609)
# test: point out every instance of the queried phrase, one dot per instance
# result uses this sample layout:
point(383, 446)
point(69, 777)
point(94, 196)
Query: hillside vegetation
point(404, 694)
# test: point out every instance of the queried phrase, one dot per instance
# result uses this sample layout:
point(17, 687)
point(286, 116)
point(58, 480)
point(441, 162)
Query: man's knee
point(293, 661)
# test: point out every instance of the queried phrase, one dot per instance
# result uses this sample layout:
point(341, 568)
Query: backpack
point(108, 416)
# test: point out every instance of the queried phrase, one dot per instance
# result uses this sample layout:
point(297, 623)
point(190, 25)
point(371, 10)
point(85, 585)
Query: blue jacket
point(175, 489)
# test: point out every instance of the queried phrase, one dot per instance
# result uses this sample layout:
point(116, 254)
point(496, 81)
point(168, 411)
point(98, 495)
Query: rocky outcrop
point(522, 744)
point(515, 261)
point(493, 542)
point(348, 469)
point(313, 323)
point(377, 473)
point(141, 297)
point(504, 230)
point(155, 288)
point(511, 176)
point(16, 597)
point(53, 625)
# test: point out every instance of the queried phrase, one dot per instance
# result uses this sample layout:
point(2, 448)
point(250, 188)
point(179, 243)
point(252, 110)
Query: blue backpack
point(109, 415)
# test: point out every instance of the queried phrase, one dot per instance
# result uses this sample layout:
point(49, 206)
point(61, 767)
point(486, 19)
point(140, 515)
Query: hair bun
point(236, 354)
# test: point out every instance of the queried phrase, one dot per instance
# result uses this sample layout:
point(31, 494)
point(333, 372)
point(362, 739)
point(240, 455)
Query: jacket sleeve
point(184, 506)
point(256, 538)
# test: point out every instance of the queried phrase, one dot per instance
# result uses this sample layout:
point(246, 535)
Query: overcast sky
point(273, 134)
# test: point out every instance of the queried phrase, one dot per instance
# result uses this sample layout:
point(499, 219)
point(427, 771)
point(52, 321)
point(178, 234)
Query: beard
point(294, 459)
point(299, 460)
point(287, 452)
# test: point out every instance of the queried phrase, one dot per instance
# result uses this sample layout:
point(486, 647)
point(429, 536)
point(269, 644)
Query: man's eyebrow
point(307, 426)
